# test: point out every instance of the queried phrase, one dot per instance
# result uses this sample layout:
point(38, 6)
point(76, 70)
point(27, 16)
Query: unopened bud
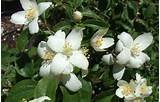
point(77, 16)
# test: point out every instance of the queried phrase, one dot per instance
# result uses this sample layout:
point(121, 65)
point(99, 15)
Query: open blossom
point(130, 50)
point(135, 91)
point(61, 55)
point(40, 99)
point(30, 14)
point(100, 43)
point(130, 53)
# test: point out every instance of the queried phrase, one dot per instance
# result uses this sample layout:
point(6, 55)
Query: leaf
point(22, 41)
point(46, 87)
point(132, 9)
point(104, 4)
point(22, 90)
point(83, 95)
point(149, 11)
point(95, 23)
point(91, 14)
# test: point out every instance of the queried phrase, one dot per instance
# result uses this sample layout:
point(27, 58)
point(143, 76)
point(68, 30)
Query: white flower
point(99, 43)
point(131, 53)
point(142, 90)
point(40, 99)
point(61, 55)
point(30, 14)
point(125, 90)
point(136, 100)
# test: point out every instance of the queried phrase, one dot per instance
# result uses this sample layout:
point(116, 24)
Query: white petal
point(40, 99)
point(26, 4)
point(43, 6)
point(75, 37)
point(56, 42)
point(119, 93)
point(108, 59)
point(107, 42)
point(119, 46)
point(122, 83)
point(79, 60)
point(42, 47)
point(126, 39)
point(144, 40)
point(135, 62)
point(118, 71)
point(71, 82)
point(33, 26)
point(45, 69)
point(18, 18)
point(123, 57)
point(60, 65)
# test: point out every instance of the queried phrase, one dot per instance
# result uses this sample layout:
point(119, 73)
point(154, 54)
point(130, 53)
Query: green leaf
point(83, 95)
point(149, 11)
point(91, 14)
point(22, 90)
point(94, 23)
point(22, 41)
point(46, 87)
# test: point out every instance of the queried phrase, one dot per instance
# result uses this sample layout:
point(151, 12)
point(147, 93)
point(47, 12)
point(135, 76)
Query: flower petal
point(79, 60)
point(56, 42)
point(60, 65)
point(18, 18)
point(118, 71)
point(107, 42)
point(119, 46)
point(119, 93)
point(123, 57)
point(71, 82)
point(108, 59)
point(136, 61)
point(75, 37)
point(126, 39)
point(26, 4)
point(43, 6)
point(40, 99)
point(144, 40)
point(45, 69)
point(122, 83)
point(42, 47)
point(33, 26)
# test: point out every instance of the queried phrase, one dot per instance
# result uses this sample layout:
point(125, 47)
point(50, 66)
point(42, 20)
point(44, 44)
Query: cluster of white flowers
point(135, 90)
point(61, 55)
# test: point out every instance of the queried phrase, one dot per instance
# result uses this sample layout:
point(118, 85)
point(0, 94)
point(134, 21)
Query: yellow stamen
point(67, 50)
point(136, 49)
point(99, 42)
point(48, 55)
point(127, 90)
point(30, 13)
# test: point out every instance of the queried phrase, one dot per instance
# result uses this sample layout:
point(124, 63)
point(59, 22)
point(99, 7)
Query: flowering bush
point(83, 51)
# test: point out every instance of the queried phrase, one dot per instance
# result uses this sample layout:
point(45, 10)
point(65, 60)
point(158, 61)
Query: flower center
point(137, 100)
point(99, 42)
point(48, 55)
point(67, 50)
point(136, 49)
point(143, 89)
point(30, 13)
point(127, 90)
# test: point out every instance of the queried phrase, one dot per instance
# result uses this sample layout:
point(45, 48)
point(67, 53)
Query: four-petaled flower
point(61, 55)
point(30, 14)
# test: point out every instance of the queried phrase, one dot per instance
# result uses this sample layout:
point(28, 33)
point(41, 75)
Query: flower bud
point(77, 16)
